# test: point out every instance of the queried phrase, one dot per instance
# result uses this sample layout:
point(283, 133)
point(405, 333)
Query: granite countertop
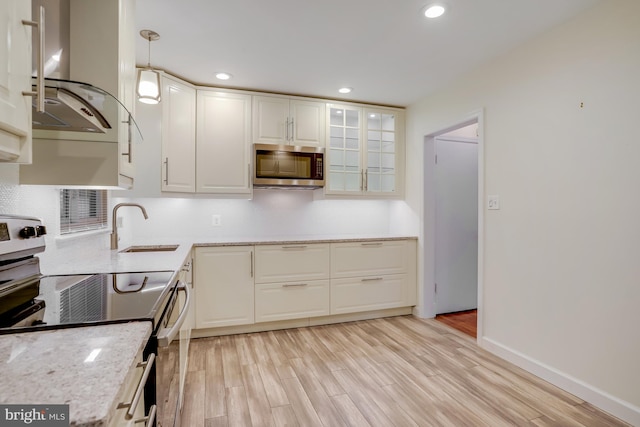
point(51, 367)
point(83, 260)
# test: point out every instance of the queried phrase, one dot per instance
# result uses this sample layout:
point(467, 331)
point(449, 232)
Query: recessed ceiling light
point(345, 90)
point(434, 11)
point(223, 76)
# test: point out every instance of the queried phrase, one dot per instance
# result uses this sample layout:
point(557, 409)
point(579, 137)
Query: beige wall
point(562, 256)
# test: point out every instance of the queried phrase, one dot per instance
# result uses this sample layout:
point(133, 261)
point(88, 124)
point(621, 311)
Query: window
point(82, 210)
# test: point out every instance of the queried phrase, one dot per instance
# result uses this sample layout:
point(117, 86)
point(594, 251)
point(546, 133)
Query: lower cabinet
point(243, 285)
point(369, 293)
point(224, 286)
point(291, 300)
point(126, 396)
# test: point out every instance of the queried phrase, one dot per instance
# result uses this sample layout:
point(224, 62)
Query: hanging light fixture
point(148, 86)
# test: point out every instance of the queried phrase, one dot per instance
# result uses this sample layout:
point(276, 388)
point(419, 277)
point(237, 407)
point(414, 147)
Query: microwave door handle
point(166, 335)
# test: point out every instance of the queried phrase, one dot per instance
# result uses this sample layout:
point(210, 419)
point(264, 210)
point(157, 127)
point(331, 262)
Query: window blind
point(82, 210)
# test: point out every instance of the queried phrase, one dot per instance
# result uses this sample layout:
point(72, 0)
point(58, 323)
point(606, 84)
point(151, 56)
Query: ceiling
point(384, 49)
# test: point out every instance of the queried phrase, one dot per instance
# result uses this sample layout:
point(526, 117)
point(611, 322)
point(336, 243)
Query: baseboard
point(602, 400)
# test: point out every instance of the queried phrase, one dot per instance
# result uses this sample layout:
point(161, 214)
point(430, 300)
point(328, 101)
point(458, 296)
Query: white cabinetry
point(134, 377)
point(224, 286)
point(292, 281)
point(178, 136)
point(102, 40)
point(223, 142)
point(365, 151)
point(283, 120)
point(372, 275)
point(15, 77)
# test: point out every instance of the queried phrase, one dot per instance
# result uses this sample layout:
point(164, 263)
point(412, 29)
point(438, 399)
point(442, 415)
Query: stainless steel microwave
point(287, 166)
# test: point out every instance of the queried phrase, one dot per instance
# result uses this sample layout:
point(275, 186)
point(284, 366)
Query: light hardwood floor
point(399, 371)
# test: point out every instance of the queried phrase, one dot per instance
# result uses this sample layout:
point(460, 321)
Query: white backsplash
point(271, 213)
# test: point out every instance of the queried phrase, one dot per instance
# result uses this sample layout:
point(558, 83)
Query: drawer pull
point(149, 419)
point(371, 244)
point(138, 394)
point(294, 285)
point(372, 279)
point(294, 247)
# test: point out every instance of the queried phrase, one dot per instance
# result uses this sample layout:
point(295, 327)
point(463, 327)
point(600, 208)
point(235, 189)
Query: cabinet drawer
point(369, 293)
point(295, 262)
point(126, 395)
point(281, 301)
point(369, 258)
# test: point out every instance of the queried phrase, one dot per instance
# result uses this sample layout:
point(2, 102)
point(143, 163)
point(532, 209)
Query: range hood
point(77, 107)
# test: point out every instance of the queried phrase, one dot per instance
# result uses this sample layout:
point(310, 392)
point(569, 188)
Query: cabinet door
point(270, 119)
point(294, 300)
point(344, 150)
point(15, 77)
point(178, 136)
point(383, 154)
point(223, 142)
point(307, 120)
point(356, 259)
point(224, 286)
point(126, 74)
point(369, 293)
point(295, 262)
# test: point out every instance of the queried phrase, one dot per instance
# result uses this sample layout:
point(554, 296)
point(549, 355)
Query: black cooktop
point(81, 300)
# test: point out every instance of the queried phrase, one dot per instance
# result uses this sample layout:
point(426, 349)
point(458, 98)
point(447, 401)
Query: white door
point(456, 235)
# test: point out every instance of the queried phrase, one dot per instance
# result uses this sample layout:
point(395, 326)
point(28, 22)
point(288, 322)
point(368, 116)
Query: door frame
point(429, 224)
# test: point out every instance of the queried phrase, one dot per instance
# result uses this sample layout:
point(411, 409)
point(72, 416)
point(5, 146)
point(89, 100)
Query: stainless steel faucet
point(114, 228)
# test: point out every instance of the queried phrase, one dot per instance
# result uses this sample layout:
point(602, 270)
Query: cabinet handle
point(366, 180)
point(128, 153)
point(138, 394)
point(249, 174)
point(166, 170)
point(294, 285)
point(39, 92)
point(251, 263)
point(149, 419)
point(372, 279)
point(371, 244)
point(294, 247)
point(361, 179)
point(292, 131)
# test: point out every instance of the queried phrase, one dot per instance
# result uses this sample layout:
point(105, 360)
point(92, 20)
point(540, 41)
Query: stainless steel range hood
point(64, 110)
point(79, 111)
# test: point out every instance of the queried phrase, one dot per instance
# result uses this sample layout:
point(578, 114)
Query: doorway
point(452, 185)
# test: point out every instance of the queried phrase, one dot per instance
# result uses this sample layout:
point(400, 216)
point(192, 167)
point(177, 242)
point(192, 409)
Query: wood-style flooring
point(464, 321)
point(399, 371)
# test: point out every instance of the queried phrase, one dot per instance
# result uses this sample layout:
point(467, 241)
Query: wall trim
point(599, 398)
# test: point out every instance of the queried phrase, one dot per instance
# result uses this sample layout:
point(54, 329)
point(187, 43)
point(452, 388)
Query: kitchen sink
point(150, 248)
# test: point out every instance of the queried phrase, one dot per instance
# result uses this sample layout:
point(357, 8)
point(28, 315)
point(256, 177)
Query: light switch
point(494, 202)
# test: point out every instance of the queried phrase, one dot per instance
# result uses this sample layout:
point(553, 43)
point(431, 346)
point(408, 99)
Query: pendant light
point(148, 87)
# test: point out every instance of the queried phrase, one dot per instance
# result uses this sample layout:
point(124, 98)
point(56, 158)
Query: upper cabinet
point(178, 136)
point(15, 78)
point(223, 142)
point(291, 121)
point(365, 151)
point(101, 54)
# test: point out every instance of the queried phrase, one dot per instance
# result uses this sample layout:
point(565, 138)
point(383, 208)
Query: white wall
point(561, 149)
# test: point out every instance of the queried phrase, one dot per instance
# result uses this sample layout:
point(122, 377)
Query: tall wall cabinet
point(15, 77)
point(365, 150)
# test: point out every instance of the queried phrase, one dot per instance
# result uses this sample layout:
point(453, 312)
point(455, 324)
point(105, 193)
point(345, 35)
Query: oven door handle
point(166, 335)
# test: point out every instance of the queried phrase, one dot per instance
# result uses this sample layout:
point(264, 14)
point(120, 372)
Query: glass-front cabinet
point(364, 150)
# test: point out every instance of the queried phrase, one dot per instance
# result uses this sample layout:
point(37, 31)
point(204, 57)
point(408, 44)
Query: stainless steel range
point(31, 301)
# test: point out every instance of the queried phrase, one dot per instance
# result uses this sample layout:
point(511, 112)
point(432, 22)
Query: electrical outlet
point(494, 203)
point(119, 221)
point(216, 220)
